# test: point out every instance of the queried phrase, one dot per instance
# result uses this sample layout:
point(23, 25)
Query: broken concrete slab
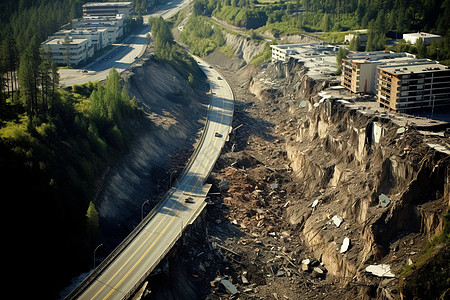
point(318, 272)
point(274, 186)
point(381, 270)
point(384, 200)
point(244, 279)
point(337, 220)
point(401, 130)
point(229, 287)
point(345, 245)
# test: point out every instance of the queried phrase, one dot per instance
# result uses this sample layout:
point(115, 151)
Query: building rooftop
point(61, 40)
point(414, 67)
point(421, 35)
point(369, 57)
point(96, 4)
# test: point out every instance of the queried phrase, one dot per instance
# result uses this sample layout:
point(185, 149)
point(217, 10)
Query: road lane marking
point(165, 228)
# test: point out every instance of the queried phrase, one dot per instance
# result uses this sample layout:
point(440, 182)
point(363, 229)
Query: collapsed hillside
point(296, 181)
point(337, 163)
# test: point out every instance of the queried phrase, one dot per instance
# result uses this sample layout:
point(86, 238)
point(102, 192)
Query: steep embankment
point(177, 113)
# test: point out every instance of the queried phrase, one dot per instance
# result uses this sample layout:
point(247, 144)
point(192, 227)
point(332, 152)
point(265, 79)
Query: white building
point(99, 36)
point(113, 26)
point(69, 50)
point(102, 24)
point(301, 51)
point(426, 37)
point(319, 59)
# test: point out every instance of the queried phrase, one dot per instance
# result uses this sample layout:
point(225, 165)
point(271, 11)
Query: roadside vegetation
point(168, 51)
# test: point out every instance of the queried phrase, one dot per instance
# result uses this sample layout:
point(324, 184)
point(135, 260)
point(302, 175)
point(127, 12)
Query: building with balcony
point(107, 9)
point(417, 85)
point(359, 70)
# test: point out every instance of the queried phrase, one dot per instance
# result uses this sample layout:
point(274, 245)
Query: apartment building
point(359, 70)
point(107, 9)
point(318, 59)
point(413, 86)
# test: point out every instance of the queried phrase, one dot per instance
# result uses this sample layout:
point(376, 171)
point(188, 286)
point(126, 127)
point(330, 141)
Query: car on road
point(218, 78)
point(217, 135)
point(210, 67)
point(189, 200)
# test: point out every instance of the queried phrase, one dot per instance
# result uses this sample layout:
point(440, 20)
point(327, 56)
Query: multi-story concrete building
point(318, 59)
point(415, 85)
point(426, 37)
point(113, 26)
point(107, 9)
point(301, 51)
point(91, 33)
point(68, 50)
point(359, 70)
point(99, 36)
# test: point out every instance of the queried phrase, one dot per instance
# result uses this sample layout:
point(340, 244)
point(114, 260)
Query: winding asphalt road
point(120, 278)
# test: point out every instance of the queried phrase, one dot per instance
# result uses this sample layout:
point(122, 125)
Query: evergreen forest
point(55, 144)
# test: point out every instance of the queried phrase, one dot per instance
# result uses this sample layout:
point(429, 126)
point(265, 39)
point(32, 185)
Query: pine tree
point(92, 224)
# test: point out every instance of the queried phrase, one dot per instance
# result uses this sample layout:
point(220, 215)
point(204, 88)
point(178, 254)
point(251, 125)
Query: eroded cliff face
point(345, 159)
point(243, 47)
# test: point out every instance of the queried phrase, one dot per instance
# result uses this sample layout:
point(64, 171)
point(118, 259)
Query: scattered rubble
point(384, 200)
point(381, 270)
point(286, 194)
point(345, 245)
point(337, 220)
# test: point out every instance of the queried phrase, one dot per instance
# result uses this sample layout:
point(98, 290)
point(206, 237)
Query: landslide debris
point(298, 207)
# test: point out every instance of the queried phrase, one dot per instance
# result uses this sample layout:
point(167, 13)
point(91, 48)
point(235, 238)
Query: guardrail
point(104, 264)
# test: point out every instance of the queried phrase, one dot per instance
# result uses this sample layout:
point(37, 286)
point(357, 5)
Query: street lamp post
point(170, 178)
point(142, 209)
point(95, 251)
